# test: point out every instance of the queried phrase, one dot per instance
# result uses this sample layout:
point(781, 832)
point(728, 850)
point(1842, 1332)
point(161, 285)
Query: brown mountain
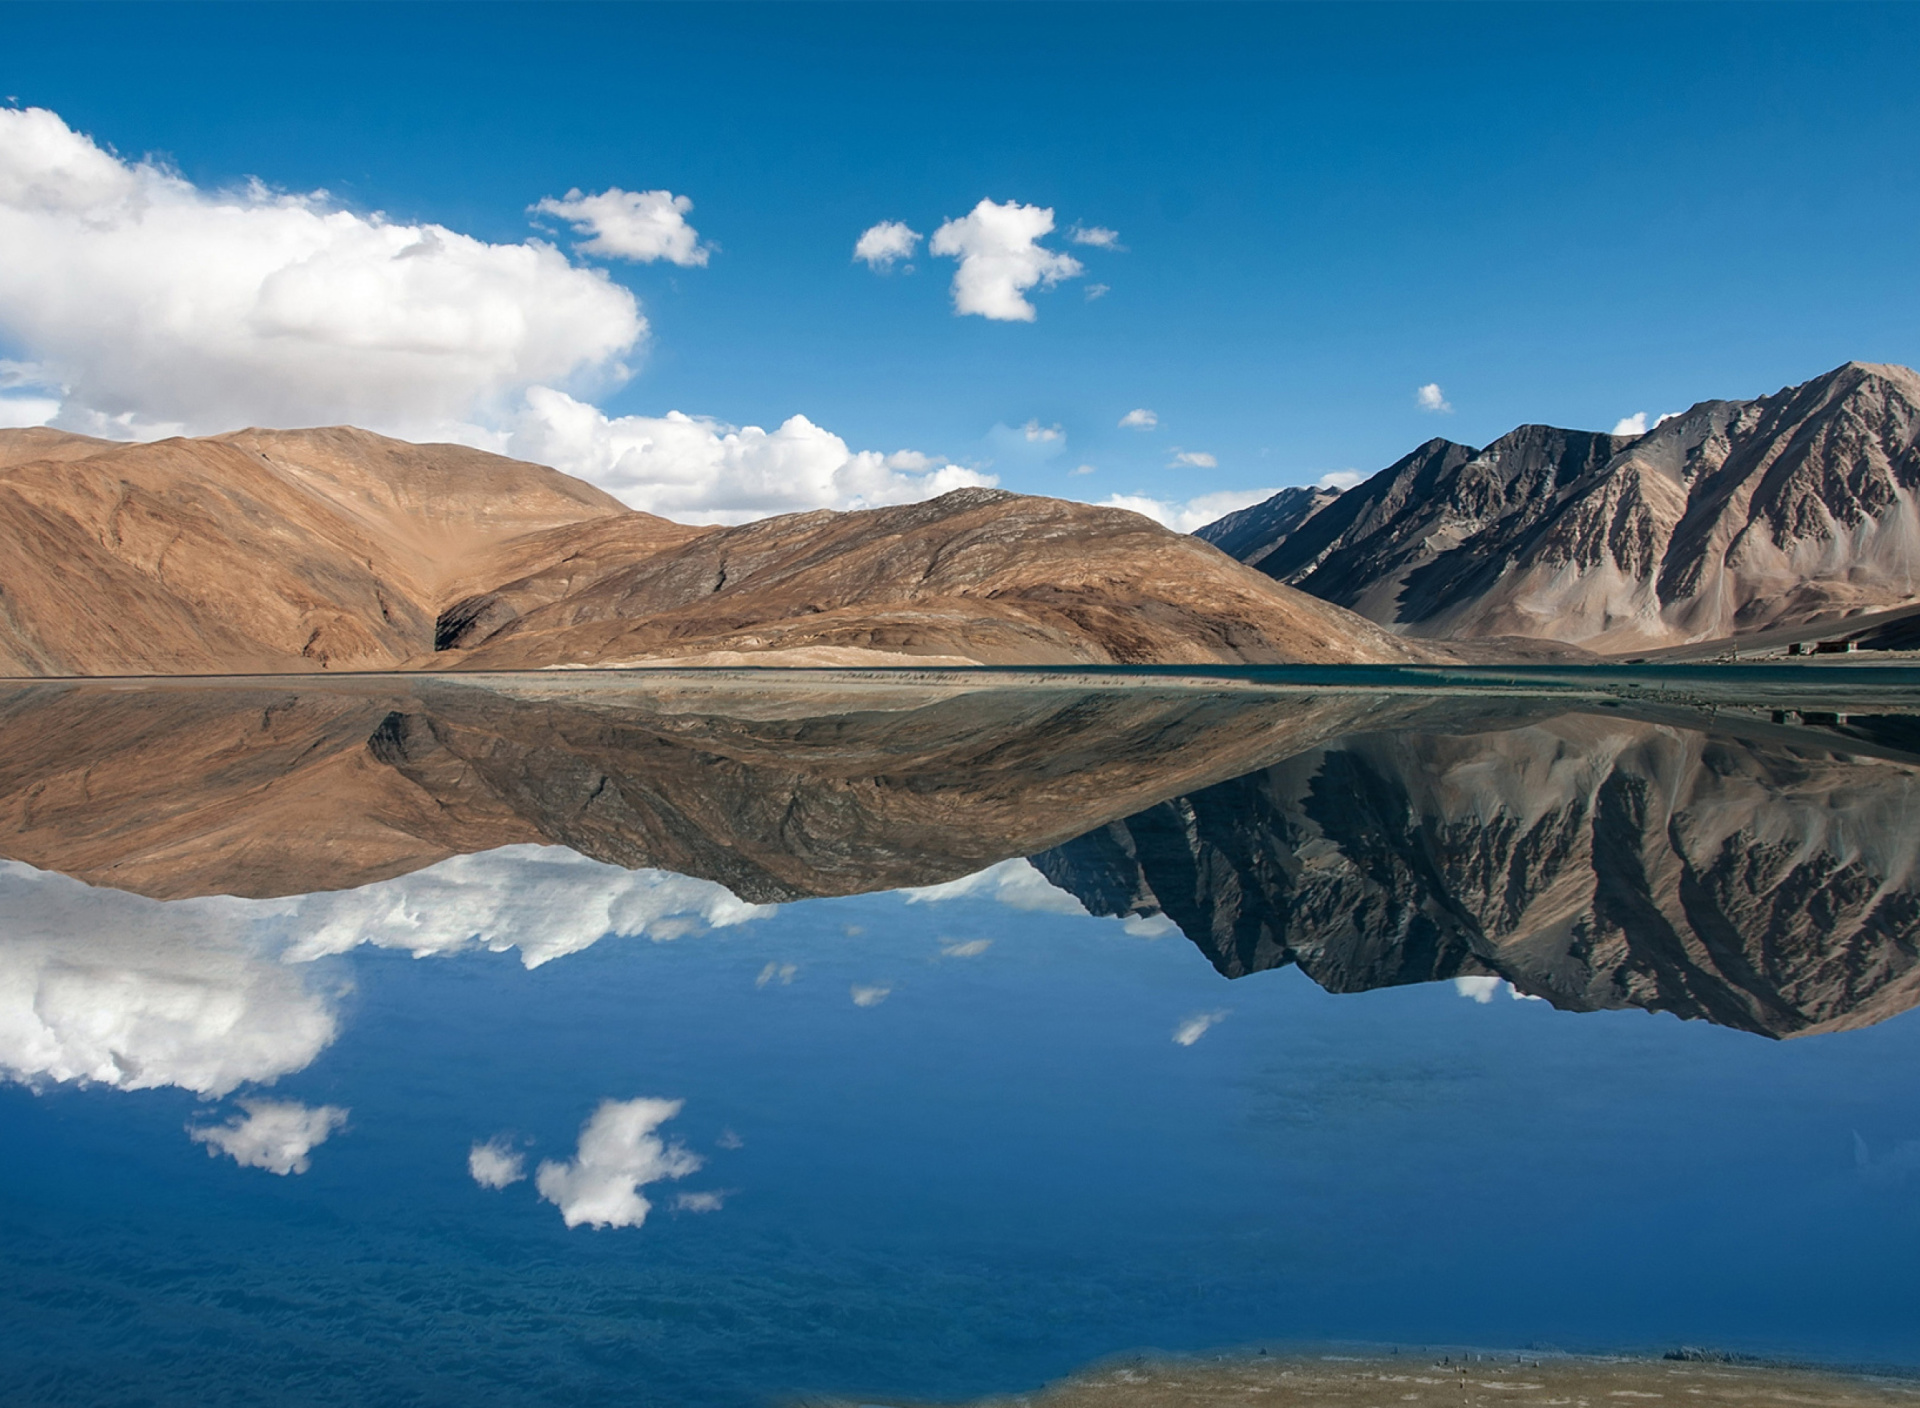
point(1752, 876)
point(1789, 510)
point(269, 551)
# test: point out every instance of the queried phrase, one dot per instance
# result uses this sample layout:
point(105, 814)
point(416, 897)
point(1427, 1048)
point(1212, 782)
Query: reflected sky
point(521, 1125)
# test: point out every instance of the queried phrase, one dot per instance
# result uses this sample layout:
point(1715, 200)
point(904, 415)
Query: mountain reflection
point(1758, 873)
point(1745, 876)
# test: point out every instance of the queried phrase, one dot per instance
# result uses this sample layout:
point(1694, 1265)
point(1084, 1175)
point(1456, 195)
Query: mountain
point(1734, 518)
point(1746, 877)
point(270, 551)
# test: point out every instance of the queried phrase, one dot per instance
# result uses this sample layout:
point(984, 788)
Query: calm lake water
point(559, 1042)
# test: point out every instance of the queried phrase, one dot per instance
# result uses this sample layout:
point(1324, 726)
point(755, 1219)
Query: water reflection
point(1752, 868)
point(1740, 874)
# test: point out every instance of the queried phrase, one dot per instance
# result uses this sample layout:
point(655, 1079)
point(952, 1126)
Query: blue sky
point(1557, 213)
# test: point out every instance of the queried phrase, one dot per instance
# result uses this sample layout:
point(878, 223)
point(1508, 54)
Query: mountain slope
point(269, 551)
point(259, 550)
point(977, 575)
point(1736, 517)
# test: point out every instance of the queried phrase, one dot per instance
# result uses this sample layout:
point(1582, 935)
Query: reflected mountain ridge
point(1599, 854)
point(1596, 860)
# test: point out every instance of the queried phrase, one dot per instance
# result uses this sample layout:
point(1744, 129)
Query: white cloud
point(703, 471)
point(1094, 291)
point(1037, 433)
point(276, 1135)
point(971, 948)
point(156, 305)
point(882, 246)
point(619, 1153)
point(1484, 989)
point(1341, 479)
point(781, 973)
point(639, 225)
point(1001, 258)
point(1196, 1026)
point(1139, 418)
point(1430, 398)
point(1098, 236)
point(1083, 469)
point(865, 996)
point(1148, 926)
point(1192, 459)
point(545, 900)
point(146, 306)
point(496, 1164)
point(1014, 883)
point(1635, 424)
point(1185, 515)
point(104, 988)
point(700, 1202)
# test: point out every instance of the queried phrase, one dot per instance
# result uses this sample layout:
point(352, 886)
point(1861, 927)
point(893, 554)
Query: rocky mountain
point(1734, 518)
point(271, 551)
point(1745, 876)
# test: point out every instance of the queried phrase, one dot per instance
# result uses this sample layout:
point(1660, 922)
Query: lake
point(726, 1039)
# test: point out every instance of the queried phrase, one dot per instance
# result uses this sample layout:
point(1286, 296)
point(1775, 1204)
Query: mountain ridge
point(269, 551)
point(1730, 518)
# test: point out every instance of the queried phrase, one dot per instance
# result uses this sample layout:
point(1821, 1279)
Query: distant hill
point(1734, 518)
point(297, 550)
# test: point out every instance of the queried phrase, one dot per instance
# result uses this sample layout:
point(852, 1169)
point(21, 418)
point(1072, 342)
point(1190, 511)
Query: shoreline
point(1445, 1378)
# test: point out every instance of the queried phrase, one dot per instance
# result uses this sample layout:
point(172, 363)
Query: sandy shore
point(1453, 1381)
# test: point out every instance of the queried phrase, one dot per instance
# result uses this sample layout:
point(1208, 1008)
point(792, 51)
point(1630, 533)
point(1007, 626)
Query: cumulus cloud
point(868, 996)
point(1037, 433)
point(970, 948)
point(276, 1135)
point(1094, 291)
point(700, 1202)
point(1196, 1026)
point(1097, 236)
point(1185, 515)
point(619, 1153)
point(149, 304)
point(1192, 459)
point(704, 471)
point(884, 245)
point(639, 225)
point(1001, 258)
point(1014, 883)
point(1148, 926)
point(1430, 398)
point(1139, 418)
point(1341, 479)
point(104, 988)
point(1083, 469)
point(496, 1164)
point(546, 901)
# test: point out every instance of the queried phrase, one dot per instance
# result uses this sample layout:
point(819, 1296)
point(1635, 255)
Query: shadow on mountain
point(1753, 877)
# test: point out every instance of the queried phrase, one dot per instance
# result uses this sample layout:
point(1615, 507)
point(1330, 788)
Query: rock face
point(1594, 861)
point(1737, 517)
point(272, 551)
point(777, 791)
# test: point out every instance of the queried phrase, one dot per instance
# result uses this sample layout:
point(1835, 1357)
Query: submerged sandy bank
point(1451, 1381)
